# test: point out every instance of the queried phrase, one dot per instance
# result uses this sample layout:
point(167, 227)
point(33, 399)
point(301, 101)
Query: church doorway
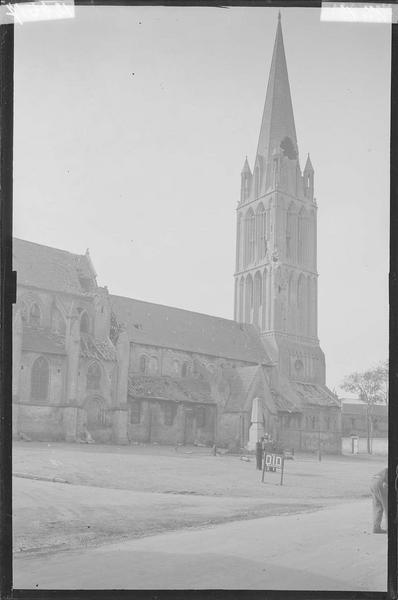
point(98, 420)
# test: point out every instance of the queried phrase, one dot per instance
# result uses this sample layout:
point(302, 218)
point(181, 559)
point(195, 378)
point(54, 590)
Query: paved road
point(331, 549)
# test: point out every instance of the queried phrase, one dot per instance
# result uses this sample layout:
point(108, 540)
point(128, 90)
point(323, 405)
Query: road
point(331, 549)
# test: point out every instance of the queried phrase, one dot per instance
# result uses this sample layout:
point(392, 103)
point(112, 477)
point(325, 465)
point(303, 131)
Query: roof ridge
point(48, 247)
point(195, 312)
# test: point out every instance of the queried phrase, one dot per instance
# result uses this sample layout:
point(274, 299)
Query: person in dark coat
point(259, 454)
point(379, 491)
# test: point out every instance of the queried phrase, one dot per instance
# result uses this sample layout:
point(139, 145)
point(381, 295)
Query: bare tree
point(372, 388)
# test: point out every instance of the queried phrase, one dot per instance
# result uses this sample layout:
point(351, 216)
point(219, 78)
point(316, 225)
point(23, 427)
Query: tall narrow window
point(185, 369)
point(143, 364)
point(261, 232)
point(249, 299)
point(176, 367)
point(289, 234)
point(250, 237)
point(24, 312)
point(57, 322)
point(84, 323)
point(201, 416)
point(94, 376)
point(154, 365)
point(257, 181)
point(258, 298)
point(35, 315)
point(241, 298)
point(40, 379)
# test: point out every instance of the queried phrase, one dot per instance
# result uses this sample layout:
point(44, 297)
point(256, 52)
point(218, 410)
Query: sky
point(131, 128)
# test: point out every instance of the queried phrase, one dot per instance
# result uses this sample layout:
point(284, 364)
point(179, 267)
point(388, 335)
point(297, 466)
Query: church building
point(130, 371)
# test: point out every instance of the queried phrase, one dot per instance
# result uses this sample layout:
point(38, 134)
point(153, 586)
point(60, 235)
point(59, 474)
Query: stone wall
point(153, 427)
point(40, 422)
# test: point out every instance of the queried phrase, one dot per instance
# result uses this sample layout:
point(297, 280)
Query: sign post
point(273, 462)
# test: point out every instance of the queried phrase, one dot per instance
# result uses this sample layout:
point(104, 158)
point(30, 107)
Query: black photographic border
point(8, 296)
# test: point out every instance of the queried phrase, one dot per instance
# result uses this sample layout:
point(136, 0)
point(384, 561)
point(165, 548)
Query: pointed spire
point(246, 167)
point(278, 120)
point(308, 165)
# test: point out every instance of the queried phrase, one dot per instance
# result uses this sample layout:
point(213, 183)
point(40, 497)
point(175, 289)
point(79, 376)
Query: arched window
point(301, 304)
point(289, 233)
point(200, 416)
point(241, 298)
point(35, 315)
point(24, 312)
point(94, 376)
point(176, 367)
point(250, 237)
point(57, 322)
point(143, 364)
point(258, 298)
point(39, 379)
point(303, 235)
point(84, 323)
point(261, 231)
point(257, 181)
point(264, 294)
point(249, 299)
point(153, 365)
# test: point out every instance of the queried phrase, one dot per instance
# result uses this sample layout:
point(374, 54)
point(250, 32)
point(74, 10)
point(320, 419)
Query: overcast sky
point(131, 128)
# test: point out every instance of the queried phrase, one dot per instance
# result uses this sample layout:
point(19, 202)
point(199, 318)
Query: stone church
point(129, 371)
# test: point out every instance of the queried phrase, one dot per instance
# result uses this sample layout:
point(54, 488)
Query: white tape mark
point(350, 12)
point(45, 10)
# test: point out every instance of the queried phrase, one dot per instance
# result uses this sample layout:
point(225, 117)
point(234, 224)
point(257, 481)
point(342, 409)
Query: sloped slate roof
point(42, 340)
point(315, 394)
point(239, 388)
point(50, 268)
point(283, 403)
point(92, 348)
point(170, 388)
point(169, 327)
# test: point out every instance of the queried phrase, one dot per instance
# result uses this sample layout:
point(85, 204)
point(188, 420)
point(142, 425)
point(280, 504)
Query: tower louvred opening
point(288, 148)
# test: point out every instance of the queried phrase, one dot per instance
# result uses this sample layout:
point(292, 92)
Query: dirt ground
point(119, 493)
point(330, 549)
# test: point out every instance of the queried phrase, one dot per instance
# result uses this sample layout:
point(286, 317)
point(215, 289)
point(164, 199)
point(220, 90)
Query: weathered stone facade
point(130, 371)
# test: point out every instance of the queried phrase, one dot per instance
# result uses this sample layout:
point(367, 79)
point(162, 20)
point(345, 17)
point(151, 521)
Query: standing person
point(259, 453)
point(267, 447)
point(379, 490)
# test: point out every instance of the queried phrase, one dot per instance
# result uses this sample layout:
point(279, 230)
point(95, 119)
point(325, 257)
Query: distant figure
point(259, 454)
point(379, 490)
point(268, 448)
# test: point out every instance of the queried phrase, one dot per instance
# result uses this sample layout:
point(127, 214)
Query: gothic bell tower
point(276, 271)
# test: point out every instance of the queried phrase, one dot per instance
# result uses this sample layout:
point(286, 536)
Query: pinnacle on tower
point(246, 167)
point(278, 121)
point(308, 165)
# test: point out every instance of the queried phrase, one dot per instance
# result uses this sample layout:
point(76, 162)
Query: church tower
point(276, 269)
